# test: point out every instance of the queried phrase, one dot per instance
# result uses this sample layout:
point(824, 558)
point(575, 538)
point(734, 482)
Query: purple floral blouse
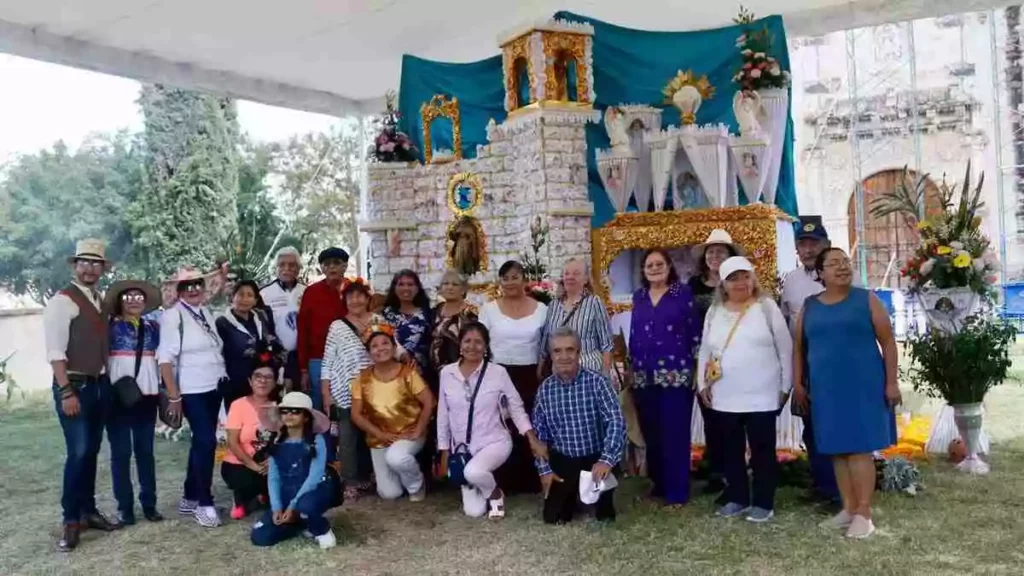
point(663, 339)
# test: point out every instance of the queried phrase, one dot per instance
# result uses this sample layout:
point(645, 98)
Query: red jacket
point(321, 305)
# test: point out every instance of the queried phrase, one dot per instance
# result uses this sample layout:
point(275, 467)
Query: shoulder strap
point(732, 331)
point(573, 311)
point(140, 343)
point(472, 402)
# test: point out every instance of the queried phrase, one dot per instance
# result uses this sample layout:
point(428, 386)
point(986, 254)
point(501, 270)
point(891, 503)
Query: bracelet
point(67, 392)
point(174, 400)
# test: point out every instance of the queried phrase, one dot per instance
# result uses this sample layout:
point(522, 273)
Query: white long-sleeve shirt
point(195, 352)
point(758, 363)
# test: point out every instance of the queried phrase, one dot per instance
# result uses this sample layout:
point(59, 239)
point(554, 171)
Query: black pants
point(560, 504)
point(243, 482)
point(712, 442)
point(756, 429)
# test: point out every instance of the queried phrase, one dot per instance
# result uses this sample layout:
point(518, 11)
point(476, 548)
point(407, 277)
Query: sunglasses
point(193, 287)
point(292, 411)
point(133, 298)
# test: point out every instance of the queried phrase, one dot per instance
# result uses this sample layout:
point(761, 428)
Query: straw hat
point(91, 249)
point(717, 236)
point(153, 297)
point(185, 274)
point(321, 423)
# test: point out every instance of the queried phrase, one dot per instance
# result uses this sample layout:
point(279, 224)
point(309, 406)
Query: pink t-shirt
point(244, 417)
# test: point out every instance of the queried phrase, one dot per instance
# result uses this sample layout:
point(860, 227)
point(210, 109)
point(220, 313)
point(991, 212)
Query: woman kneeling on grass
point(302, 487)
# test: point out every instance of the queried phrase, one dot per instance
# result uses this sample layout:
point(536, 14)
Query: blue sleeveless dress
point(846, 377)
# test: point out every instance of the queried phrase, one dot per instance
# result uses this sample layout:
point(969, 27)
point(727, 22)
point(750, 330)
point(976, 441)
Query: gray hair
point(564, 332)
point(458, 277)
point(288, 251)
point(721, 296)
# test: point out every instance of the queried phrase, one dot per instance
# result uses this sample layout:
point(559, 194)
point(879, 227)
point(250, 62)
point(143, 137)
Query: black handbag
point(460, 456)
point(127, 387)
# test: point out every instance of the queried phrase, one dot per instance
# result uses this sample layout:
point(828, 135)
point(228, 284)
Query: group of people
point(328, 393)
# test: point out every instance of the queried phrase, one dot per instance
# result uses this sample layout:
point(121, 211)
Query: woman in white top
point(191, 363)
point(516, 324)
point(133, 344)
point(745, 376)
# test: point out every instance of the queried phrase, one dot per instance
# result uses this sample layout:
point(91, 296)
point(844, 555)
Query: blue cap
point(811, 227)
point(332, 253)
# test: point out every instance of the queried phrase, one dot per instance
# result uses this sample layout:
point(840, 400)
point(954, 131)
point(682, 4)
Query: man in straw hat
point(75, 328)
point(797, 286)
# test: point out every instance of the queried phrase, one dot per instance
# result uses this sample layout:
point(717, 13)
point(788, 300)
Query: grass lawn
point(959, 525)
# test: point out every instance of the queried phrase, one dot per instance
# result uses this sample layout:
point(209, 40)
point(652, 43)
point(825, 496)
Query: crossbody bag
point(713, 365)
point(127, 387)
point(460, 455)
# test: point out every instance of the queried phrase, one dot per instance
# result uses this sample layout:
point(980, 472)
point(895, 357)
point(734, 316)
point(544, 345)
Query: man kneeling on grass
point(577, 415)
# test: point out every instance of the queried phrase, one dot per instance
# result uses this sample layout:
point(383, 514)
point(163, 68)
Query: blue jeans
point(132, 430)
point(83, 435)
point(311, 509)
point(201, 411)
point(823, 475)
point(314, 384)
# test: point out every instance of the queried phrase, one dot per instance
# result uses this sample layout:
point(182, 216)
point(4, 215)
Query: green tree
point(187, 213)
point(316, 180)
point(52, 199)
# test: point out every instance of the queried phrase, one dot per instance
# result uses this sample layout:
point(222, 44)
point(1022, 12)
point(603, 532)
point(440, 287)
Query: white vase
point(968, 418)
point(775, 110)
point(948, 307)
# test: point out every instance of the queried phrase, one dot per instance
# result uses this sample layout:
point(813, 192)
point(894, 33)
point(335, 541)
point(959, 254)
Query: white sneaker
point(327, 540)
point(207, 516)
point(839, 521)
point(860, 528)
point(187, 507)
point(418, 496)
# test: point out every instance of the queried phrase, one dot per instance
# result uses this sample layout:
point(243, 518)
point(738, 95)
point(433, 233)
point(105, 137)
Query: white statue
point(615, 125)
point(688, 100)
point(746, 105)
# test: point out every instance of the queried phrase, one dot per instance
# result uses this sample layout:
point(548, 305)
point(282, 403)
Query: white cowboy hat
point(717, 236)
point(321, 423)
point(185, 274)
point(733, 265)
point(153, 297)
point(91, 249)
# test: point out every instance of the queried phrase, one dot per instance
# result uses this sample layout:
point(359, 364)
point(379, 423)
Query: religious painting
point(464, 193)
point(467, 246)
point(690, 192)
point(750, 169)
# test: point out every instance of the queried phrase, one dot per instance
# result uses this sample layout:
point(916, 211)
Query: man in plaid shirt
point(577, 415)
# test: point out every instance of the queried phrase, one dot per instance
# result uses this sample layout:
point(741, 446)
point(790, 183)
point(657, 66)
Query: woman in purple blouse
point(664, 333)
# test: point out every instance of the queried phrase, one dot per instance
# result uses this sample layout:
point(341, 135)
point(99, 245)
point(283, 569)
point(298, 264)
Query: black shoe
point(126, 519)
point(69, 536)
point(722, 500)
point(152, 516)
point(714, 486)
point(97, 521)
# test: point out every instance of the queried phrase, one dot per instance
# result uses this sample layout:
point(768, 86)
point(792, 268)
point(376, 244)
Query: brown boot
point(97, 521)
point(68, 537)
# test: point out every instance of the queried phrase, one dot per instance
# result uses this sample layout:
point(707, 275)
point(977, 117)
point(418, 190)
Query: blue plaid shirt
point(579, 418)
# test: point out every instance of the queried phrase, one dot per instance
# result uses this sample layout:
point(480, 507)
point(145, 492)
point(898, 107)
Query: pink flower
point(387, 147)
point(746, 52)
point(741, 40)
point(748, 66)
point(755, 73)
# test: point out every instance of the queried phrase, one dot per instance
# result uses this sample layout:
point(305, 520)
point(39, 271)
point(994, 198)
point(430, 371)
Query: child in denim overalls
point(301, 486)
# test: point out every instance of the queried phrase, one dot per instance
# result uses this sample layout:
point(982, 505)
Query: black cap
point(811, 227)
point(332, 253)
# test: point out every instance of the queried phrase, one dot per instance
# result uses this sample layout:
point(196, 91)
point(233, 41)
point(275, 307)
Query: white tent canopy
point(340, 56)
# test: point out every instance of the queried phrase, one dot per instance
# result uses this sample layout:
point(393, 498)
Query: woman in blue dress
point(845, 345)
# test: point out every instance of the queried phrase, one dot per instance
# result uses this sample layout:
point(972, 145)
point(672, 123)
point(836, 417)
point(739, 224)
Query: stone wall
point(534, 165)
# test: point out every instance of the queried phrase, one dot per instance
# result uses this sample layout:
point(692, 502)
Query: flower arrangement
point(392, 145)
point(533, 268)
point(953, 252)
point(759, 69)
point(962, 366)
point(542, 290)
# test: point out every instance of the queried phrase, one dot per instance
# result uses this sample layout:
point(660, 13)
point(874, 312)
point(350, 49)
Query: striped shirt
point(345, 356)
point(579, 418)
point(590, 322)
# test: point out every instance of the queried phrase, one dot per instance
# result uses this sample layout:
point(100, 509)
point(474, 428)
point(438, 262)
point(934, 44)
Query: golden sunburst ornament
point(686, 91)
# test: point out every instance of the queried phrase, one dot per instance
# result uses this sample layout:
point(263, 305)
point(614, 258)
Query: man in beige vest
point(75, 326)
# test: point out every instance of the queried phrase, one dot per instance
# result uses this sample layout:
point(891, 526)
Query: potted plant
point(960, 367)
point(953, 269)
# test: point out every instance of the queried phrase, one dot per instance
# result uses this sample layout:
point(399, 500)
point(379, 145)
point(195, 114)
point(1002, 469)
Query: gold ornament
point(559, 50)
point(683, 80)
point(440, 107)
point(514, 53)
point(753, 227)
point(465, 192)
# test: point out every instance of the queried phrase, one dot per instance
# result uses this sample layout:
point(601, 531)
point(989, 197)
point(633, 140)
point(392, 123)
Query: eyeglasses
point(90, 263)
point(263, 377)
point(292, 411)
point(655, 266)
point(846, 263)
point(193, 287)
point(133, 298)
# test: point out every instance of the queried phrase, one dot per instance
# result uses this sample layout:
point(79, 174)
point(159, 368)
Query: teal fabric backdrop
point(630, 66)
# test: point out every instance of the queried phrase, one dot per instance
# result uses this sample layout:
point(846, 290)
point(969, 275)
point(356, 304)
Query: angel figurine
point(746, 105)
point(615, 125)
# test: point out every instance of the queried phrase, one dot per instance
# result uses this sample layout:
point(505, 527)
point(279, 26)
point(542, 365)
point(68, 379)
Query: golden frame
point(754, 227)
point(512, 52)
point(464, 179)
point(441, 107)
point(481, 236)
point(575, 46)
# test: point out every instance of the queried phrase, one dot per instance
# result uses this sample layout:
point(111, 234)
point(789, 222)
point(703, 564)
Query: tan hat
point(717, 236)
point(90, 249)
point(153, 297)
point(185, 274)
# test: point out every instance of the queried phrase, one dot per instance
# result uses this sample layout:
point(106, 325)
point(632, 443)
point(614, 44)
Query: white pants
point(397, 470)
point(480, 475)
